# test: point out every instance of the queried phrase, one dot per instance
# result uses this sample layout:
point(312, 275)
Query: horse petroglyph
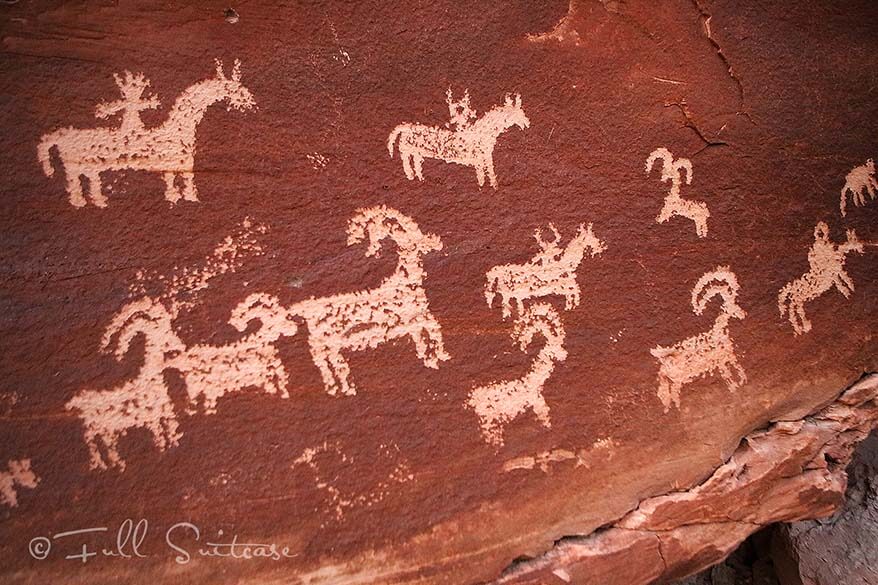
point(365, 319)
point(858, 182)
point(470, 141)
point(551, 272)
point(672, 172)
point(168, 149)
point(707, 353)
point(499, 403)
point(825, 269)
point(19, 474)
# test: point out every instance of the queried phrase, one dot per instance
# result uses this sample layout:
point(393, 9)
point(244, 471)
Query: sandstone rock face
point(444, 293)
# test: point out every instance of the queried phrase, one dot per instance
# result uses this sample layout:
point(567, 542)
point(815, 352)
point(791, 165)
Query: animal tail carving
point(391, 140)
point(844, 201)
point(44, 155)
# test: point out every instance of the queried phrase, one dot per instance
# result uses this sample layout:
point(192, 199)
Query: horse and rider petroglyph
point(858, 182)
point(826, 261)
point(168, 149)
point(365, 319)
point(470, 141)
point(552, 271)
point(672, 172)
point(501, 402)
point(707, 353)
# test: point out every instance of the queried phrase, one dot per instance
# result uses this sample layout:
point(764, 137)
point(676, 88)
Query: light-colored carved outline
point(470, 143)
point(168, 149)
point(825, 269)
point(706, 353)
point(19, 474)
point(674, 204)
point(861, 179)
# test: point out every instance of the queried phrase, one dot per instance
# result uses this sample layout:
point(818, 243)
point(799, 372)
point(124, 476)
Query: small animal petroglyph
point(710, 352)
point(499, 403)
point(470, 142)
point(20, 474)
point(365, 319)
point(168, 149)
point(143, 402)
point(212, 371)
point(672, 171)
point(825, 269)
point(551, 272)
point(858, 182)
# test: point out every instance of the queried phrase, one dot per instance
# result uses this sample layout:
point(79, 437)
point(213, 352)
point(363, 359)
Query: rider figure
point(132, 102)
point(461, 115)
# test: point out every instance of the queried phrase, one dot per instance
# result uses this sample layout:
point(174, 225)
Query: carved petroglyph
point(340, 502)
point(710, 352)
point(858, 182)
point(19, 474)
point(368, 318)
point(672, 171)
point(168, 149)
point(551, 272)
point(144, 401)
point(546, 460)
point(470, 143)
point(212, 371)
point(564, 32)
point(825, 269)
point(499, 403)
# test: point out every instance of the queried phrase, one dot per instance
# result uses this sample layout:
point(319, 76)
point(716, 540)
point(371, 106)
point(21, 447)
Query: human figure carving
point(825, 269)
point(143, 402)
point(365, 319)
point(858, 182)
point(672, 171)
point(501, 402)
point(552, 271)
point(20, 474)
point(168, 149)
point(469, 143)
point(212, 371)
point(460, 113)
point(707, 353)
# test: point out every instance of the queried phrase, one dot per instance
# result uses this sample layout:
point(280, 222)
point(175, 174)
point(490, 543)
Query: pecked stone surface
point(303, 309)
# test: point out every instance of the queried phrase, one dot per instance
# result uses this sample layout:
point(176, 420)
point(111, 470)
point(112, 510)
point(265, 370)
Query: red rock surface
point(399, 483)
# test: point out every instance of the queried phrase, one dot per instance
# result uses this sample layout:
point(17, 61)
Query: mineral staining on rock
point(857, 183)
point(168, 149)
point(672, 172)
point(470, 142)
point(711, 352)
point(18, 474)
point(826, 261)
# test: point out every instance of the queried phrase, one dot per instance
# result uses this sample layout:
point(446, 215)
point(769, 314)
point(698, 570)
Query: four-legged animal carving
point(143, 402)
point(365, 319)
point(859, 181)
point(20, 474)
point(672, 171)
point(470, 143)
point(211, 371)
point(709, 352)
point(825, 270)
point(498, 403)
point(551, 272)
point(168, 149)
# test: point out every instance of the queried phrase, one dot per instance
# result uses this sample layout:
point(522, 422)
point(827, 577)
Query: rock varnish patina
point(445, 293)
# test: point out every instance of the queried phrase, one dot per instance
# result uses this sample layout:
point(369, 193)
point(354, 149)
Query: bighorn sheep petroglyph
point(365, 319)
point(168, 149)
point(672, 171)
point(707, 353)
point(825, 269)
point(551, 272)
point(499, 403)
point(858, 182)
point(470, 143)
